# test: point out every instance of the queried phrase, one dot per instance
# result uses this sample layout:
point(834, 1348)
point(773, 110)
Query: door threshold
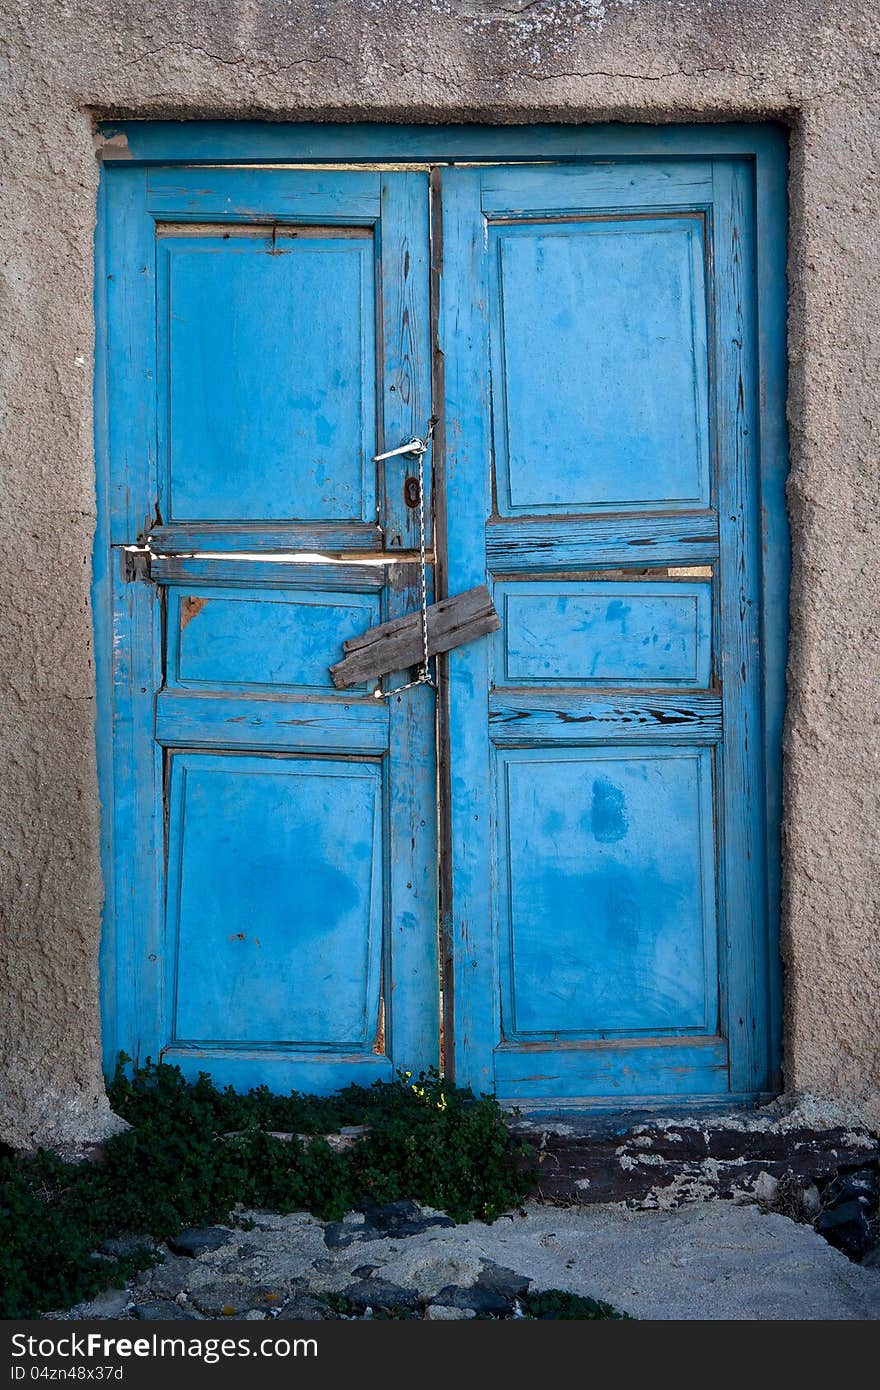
point(648, 1161)
point(607, 1115)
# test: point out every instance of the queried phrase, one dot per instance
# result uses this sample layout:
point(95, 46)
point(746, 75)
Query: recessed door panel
point(608, 904)
point(254, 638)
point(274, 880)
point(269, 368)
point(600, 391)
point(599, 633)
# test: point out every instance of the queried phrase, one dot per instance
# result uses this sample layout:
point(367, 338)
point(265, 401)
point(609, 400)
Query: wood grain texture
point(577, 191)
point(412, 1006)
point(266, 573)
point(771, 214)
point(741, 824)
point(130, 334)
point(406, 354)
point(191, 142)
point(569, 717)
point(548, 1075)
point(191, 719)
point(133, 989)
point(267, 195)
point(639, 172)
point(559, 727)
point(472, 1015)
point(184, 538)
point(310, 1072)
point(137, 998)
point(240, 621)
point(398, 644)
point(569, 543)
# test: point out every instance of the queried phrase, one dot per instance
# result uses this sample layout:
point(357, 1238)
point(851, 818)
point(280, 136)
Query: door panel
point(599, 370)
point(619, 633)
point(607, 904)
point(271, 372)
point(233, 639)
point(606, 835)
point(285, 931)
point(257, 934)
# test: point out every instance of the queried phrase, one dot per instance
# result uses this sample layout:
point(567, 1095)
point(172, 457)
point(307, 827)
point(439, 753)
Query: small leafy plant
point(194, 1152)
point(557, 1304)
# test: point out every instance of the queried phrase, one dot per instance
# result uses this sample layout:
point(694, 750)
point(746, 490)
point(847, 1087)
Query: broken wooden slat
point(396, 645)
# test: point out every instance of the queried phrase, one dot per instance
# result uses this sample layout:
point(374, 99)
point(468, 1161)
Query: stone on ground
point(712, 1260)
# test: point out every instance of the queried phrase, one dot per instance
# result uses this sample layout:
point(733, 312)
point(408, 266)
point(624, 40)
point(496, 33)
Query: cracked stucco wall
point(811, 64)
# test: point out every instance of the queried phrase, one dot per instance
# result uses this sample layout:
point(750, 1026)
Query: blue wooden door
point(606, 886)
point(272, 912)
point(610, 456)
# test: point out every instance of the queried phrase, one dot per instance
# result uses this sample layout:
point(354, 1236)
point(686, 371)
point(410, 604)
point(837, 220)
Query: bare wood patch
point(190, 608)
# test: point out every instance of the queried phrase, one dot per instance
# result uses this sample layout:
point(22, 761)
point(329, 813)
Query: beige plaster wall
point(814, 65)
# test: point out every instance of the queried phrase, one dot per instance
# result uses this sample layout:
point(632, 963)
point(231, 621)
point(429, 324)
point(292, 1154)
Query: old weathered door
point(607, 891)
point(605, 353)
point(272, 869)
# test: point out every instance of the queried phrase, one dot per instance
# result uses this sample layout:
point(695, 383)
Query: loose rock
point(127, 1244)
point(846, 1227)
point(160, 1310)
point(197, 1241)
point(226, 1299)
point(376, 1293)
point(505, 1282)
point(477, 1299)
point(402, 1218)
point(338, 1235)
point(438, 1312)
point(110, 1304)
point(168, 1278)
point(305, 1309)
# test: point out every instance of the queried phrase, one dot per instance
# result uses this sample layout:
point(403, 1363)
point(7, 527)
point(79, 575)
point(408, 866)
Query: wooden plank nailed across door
point(394, 645)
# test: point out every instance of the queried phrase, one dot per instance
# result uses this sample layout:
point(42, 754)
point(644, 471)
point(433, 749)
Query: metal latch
point(136, 563)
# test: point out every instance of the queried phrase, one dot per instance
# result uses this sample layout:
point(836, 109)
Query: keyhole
point(411, 491)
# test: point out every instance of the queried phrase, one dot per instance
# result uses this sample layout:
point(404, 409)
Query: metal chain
point(419, 447)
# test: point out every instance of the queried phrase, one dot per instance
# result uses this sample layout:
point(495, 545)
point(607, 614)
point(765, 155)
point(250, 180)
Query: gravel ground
point(703, 1261)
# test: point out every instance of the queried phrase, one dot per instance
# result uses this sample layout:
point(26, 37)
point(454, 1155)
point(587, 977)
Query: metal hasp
point(414, 496)
point(414, 446)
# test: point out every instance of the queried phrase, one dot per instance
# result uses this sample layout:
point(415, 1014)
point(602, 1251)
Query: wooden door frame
point(285, 144)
